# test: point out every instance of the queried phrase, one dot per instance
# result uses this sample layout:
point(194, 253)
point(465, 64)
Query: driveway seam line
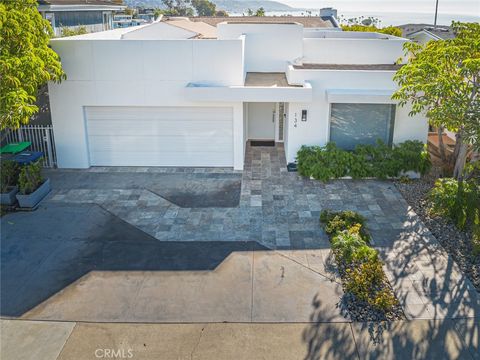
point(354, 340)
point(253, 276)
point(198, 341)
point(306, 267)
point(66, 341)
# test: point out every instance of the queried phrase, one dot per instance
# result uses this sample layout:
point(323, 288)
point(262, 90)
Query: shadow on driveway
point(44, 251)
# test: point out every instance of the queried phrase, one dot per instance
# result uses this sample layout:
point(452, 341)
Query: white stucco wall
point(315, 131)
point(268, 47)
point(352, 51)
point(136, 73)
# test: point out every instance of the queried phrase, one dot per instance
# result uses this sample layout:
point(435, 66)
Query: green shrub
point(81, 30)
point(412, 156)
point(360, 265)
point(364, 254)
point(9, 175)
point(459, 202)
point(30, 178)
point(390, 30)
point(335, 222)
point(324, 163)
point(384, 299)
point(345, 245)
point(380, 160)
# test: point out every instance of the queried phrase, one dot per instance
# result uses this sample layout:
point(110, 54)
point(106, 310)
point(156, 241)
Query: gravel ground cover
point(457, 243)
point(358, 310)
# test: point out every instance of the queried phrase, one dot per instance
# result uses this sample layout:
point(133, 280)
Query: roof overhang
point(85, 7)
point(204, 92)
point(360, 96)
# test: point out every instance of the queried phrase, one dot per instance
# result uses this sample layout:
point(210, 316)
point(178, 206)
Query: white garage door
point(160, 136)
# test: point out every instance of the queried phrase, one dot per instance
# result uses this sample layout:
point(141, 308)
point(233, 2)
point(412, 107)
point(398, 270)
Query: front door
point(261, 121)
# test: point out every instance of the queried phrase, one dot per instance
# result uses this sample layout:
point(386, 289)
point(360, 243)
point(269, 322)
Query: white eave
point(205, 92)
point(86, 7)
point(361, 96)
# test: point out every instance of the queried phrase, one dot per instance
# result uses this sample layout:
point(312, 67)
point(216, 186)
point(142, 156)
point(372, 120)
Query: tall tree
point(222, 13)
point(442, 79)
point(204, 7)
point(390, 30)
point(178, 7)
point(260, 12)
point(26, 61)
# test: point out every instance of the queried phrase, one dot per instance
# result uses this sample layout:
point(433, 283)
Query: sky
point(399, 11)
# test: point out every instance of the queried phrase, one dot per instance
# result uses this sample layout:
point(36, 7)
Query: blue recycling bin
point(27, 157)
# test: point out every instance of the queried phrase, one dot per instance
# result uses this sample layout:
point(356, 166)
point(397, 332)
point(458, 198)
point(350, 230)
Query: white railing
point(42, 139)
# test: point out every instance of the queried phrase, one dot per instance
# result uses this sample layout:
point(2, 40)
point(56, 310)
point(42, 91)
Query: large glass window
point(352, 124)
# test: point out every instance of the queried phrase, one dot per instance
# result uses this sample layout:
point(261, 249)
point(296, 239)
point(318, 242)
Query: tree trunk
point(460, 156)
point(441, 145)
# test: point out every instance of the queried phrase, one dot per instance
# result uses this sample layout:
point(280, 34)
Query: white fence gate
point(42, 139)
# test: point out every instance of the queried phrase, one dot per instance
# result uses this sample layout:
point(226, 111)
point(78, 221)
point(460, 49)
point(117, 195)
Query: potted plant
point(8, 182)
point(32, 186)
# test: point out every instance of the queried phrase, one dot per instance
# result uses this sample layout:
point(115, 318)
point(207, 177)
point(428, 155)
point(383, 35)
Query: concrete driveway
point(83, 263)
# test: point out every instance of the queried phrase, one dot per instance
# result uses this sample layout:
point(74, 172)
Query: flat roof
point(267, 80)
point(114, 34)
point(152, 30)
point(377, 67)
point(203, 30)
point(79, 2)
point(306, 21)
point(441, 31)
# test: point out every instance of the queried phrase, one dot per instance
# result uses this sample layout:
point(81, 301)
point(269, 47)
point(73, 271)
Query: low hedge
point(359, 264)
point(378, 161)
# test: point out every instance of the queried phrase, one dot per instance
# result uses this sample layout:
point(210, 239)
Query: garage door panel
point(163, 159)
point(152, 144)
point(159, 113)
point(160, 136)
point(161, 127)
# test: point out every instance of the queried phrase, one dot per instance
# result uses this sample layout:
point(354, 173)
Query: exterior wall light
point(304, 115)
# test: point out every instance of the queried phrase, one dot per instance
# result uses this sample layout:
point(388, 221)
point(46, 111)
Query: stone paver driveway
point(278, 209)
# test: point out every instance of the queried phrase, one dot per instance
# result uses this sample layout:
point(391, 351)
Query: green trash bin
point(14, 148)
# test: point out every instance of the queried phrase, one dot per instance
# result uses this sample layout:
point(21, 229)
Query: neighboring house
point(324, 22)
point(94, 15)
point(124, 20)
point(423, 33)
point(146, 14)
point(137, 97)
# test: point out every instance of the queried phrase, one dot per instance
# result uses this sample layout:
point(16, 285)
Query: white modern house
point(156, 95)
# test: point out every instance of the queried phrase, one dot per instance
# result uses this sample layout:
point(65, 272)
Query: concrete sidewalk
point(418, 339)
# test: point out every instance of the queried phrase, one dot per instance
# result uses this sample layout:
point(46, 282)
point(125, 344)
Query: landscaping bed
point(379, 161)
point(368, 294)
point(458, 243)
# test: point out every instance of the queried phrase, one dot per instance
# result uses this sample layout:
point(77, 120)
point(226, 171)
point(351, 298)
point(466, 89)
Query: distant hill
point(230, 6)
point(241, 6)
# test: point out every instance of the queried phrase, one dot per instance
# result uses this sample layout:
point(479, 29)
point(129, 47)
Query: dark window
point(353, 124)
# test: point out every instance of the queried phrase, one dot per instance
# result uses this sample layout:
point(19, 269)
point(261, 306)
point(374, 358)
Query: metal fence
point(42, 139)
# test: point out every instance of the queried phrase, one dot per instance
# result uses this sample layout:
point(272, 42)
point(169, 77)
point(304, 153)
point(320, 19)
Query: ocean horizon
point(386, 18)
point(390, 12)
